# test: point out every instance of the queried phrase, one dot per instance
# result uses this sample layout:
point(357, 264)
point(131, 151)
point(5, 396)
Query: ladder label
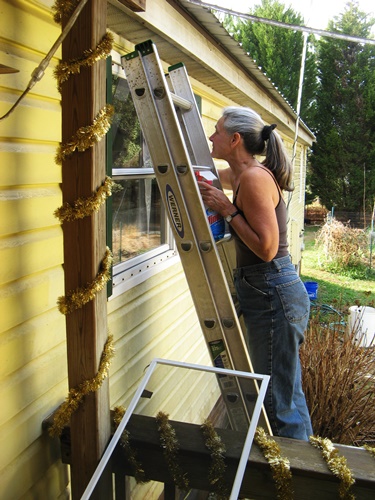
point(219, 354)
point(174, 210)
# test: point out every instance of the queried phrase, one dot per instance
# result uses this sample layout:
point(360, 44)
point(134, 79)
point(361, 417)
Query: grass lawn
point(335, 290)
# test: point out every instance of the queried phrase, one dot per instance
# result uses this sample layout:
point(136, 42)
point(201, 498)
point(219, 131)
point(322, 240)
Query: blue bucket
point(312, 289)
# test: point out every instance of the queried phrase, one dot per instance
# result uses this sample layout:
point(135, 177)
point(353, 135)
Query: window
point(142, 242)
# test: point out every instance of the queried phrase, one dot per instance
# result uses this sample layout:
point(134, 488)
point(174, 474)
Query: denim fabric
point(275, 306)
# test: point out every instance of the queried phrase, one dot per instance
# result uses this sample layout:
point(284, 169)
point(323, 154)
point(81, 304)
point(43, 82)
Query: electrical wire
point(279, 24)
point(38, 72)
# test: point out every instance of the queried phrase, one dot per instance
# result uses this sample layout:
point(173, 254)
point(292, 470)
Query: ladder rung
point(181, 102)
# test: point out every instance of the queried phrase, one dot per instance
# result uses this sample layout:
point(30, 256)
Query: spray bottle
point(215, 220)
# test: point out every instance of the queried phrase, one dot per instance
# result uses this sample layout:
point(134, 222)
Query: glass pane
point(126, 133)
point(137, 218)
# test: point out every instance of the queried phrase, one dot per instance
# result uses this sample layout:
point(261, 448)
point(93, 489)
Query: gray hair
point(260, 139)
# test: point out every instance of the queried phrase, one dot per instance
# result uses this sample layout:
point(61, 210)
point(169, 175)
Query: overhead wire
point(280, 24)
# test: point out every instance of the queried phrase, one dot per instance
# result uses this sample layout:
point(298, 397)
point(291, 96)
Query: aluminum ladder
point(173, 130)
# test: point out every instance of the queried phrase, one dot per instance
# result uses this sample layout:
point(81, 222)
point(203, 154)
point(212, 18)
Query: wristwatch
point(229, 218)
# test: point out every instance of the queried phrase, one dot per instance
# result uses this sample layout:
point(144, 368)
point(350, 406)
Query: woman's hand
point(215, 199)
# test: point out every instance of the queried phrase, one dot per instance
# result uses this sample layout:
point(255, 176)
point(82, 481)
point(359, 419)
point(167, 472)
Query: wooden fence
point(317, 216)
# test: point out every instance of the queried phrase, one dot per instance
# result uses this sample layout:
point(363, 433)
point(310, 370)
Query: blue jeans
point(276, 307)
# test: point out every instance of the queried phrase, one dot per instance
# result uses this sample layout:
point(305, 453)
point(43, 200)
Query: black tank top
point(244, 256)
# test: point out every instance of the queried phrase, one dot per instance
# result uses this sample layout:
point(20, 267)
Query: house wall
point(154, 319)
point(32, 332)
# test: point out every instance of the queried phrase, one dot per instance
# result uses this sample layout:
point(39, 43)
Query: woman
point(273, 299)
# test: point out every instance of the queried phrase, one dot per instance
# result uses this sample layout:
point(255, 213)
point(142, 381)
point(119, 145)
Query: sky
point(316, 13)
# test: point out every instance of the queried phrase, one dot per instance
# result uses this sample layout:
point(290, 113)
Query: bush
point(339, 381)
point(343, 249)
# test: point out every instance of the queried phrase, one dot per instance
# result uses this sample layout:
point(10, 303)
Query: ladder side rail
point(198, 147)
point(186, 241)
point(196, 135)
point(232, 332)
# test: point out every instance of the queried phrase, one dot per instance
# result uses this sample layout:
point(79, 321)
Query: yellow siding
point(33, 371)
point(157, 319)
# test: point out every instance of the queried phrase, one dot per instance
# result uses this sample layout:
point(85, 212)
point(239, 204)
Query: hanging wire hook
point(38, 72)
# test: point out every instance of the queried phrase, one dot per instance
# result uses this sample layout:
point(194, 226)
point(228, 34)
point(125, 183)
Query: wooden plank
point(83, 96)
point(134, 5)
point(311, 477)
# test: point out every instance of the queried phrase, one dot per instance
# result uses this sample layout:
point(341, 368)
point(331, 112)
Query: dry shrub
point(342, 245)
point(132, 242)
point(339, 382)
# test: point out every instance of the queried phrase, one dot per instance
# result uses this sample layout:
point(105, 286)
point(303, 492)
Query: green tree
point(278, 51)
point(343, 155)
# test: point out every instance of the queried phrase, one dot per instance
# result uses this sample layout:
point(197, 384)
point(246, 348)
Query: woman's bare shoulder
point(257, 176)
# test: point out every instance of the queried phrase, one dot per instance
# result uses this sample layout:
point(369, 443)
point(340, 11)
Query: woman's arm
point(257, 198)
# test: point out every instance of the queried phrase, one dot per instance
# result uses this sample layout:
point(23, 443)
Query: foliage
point(338, 98)
point(339, 381)
point(342, 172)
point(125, 129)
point(343, 249)
point(336, 290)
point(278, 52)
point(338, 375)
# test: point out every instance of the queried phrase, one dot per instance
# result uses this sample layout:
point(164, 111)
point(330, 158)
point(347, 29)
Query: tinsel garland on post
point(370, 449)
point(170, 447)
point(63, 9)
point(76, 394)
point(86, 137)
point(131, 456)
point(280, 465)
point(84, 207)
point(66, 69)
point(76, 299)
point(217, 469)
point(336, 464)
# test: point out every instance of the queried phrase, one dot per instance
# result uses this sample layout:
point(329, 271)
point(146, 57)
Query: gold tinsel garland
point(217, 469)
point(336, 464)
point(87, 136)
point(170, 446)
point(78, 298)
point(76, 394)
point(370, 449)
point(63, 9)
point(138, 471)
point(66, 69)
point(84, 207)
point(280, 465)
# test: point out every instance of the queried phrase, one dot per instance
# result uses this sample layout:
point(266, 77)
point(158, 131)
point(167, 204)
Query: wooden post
point(83, 96)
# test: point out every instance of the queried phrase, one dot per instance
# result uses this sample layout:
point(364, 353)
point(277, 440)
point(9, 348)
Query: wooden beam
point(311, 477)
point(134, 5)
point(83, 95)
